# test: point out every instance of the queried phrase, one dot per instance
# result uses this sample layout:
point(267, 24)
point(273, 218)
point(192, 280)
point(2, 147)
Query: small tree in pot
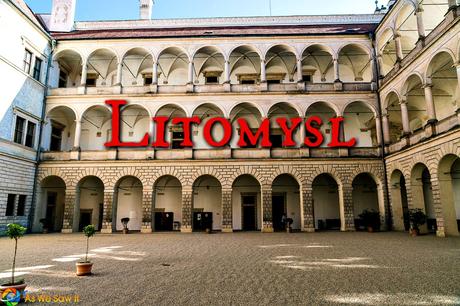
point(371, 220)
point(84, 267)
point(16, 288)
point(125, 222)
point(416, 218)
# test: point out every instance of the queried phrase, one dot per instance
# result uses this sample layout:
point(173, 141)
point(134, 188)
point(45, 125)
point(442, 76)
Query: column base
point(268, 230)
point(227, 230)
point(338, 85)
point(67, 231)
point(308, 230)
point(263, 86)
point(301, 86)
point(440, 234)
point(227, 87)
point(186, 230)
point(190, 88)
point(81, 90)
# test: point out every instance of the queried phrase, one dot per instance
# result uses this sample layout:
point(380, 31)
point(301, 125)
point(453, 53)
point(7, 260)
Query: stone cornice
point(231, 21)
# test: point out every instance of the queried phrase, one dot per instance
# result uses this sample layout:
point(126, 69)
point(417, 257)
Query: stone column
point(107, 214)
point(187, 207)
point(267, 216)
point(155, 73)
point(146, 211)
point(405, 117)
point(442, 223)
point(380, 63)
point(69, 209)
point(227, 211)
point(308, 219)
point(399, 50)
point(347, 218)
point(420, 25)
point(386, 128)
point(457, 67)
point(378, 127)
point(76, 141)
point(190, 72)
point(336, 70)
point(227, 72)
point(263, 72)
point(84, 74)
point(299, 70)
point(430, 110)
point(119, 73)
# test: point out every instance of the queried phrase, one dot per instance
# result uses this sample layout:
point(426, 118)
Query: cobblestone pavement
point(243, 268)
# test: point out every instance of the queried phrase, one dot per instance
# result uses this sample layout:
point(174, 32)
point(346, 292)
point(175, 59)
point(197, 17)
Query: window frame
point(29, 119)
point(37, 71)
point(21, 205)
point(30, 54)
point(8, 211)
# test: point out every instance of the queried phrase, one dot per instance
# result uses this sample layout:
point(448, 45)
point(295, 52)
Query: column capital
point(428, 85)
point(403, 101)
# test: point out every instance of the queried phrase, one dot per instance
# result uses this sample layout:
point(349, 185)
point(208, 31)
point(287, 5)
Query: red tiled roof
point(219, 31)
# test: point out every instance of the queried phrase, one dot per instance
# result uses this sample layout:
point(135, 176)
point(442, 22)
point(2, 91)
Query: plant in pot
point(371, 220)
point(125, 222)
point(45, 225)
point(14, 290)
point(84, 267)
point(417, 218)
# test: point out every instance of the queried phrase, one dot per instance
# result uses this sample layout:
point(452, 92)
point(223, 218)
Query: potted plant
point(14, 290)
point(84, 267)
point(371, 220)
point(416, 218)
point(45, 225)
point(125, 222)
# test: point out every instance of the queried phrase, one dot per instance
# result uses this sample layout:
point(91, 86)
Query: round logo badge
point(11, 297)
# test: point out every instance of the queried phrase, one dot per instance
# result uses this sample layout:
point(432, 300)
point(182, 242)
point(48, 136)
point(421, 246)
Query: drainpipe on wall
point(40, 136)
point(379, 107)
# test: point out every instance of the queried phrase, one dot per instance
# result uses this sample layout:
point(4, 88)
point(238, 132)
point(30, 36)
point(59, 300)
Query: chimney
point(62, 15)
point(145, 9)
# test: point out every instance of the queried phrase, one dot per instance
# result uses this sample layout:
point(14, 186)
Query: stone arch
point(285, 170)
point(128, 202)
point(213, 172)
point(246, 170)
point(318, 61)
point(448, 176)
point(422, 195)
point(105, 67)
point(52, 202)
point(167, 196)
point(361, 123)
point(128, 172)
point(327, 200)
point(254, 105)
point(399, 199)
point(89, 203)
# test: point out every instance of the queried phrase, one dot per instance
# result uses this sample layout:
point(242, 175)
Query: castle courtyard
point(328, 268)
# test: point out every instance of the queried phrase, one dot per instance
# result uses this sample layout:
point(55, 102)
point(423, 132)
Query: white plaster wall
point(325, 200)
point(245, 185)
point(129, 205)
point(209, 199)
point(169, 198)
point(290, 188)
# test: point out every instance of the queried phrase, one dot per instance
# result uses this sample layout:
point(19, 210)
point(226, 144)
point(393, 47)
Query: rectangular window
point(273, 81)
point(10, 205)
point(19, 130)
point(91, 80)
point(212, 80)
point(56, 138)
point(30, 135)
point(21, 205)
point(27, 61)
point(177, 139)
point(62, 79)
point(148, 80)
point(37, 69)
point(248, 82)
point(277, 141)
point(306, 78)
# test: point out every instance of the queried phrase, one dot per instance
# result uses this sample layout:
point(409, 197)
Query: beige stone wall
point(187, 172)
point(16, 177)
point(431, 154)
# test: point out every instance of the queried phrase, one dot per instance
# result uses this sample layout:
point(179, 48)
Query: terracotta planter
point(14, 289)
point(370, 229)
point(414, 232)
point(84, 268)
